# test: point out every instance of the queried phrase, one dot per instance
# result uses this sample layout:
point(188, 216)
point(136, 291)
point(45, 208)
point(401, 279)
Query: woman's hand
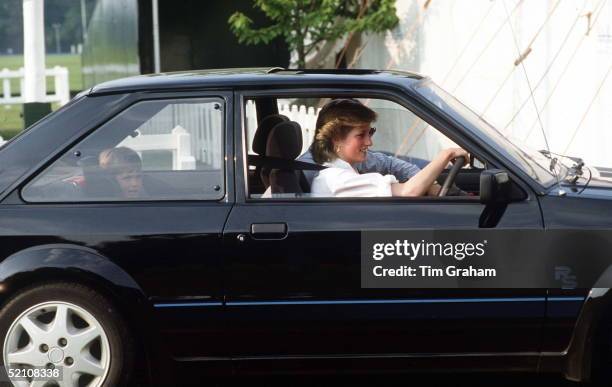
point(421, 183)
point(453, 153)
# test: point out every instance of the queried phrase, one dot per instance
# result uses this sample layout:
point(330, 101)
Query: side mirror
point(495, 186)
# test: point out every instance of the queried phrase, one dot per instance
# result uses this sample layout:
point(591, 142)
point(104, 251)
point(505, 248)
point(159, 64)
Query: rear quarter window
point(154, 150)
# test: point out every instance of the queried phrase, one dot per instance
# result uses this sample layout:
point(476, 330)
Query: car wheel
point(601, 356)
point(68, 327)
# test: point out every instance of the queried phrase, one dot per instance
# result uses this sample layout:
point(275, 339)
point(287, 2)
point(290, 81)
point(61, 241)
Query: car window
point(405, 135)
point(154, 150)
point(529, 160)
point(400, 134)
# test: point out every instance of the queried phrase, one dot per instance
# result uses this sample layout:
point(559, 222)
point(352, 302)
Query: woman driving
point(342, 140)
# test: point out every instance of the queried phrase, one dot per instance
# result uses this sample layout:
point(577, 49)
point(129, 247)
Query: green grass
point(11, 121)
point(72, 62)
point(7, 134)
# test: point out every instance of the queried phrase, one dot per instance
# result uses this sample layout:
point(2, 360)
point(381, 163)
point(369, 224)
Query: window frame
point(129, 101)
point(399, 97)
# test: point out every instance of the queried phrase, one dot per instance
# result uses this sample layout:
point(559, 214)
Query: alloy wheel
point(62, 335)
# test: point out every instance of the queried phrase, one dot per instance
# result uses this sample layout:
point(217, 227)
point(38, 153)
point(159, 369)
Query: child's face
point(130, 181)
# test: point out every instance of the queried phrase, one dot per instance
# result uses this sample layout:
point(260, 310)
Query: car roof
point(253, 77)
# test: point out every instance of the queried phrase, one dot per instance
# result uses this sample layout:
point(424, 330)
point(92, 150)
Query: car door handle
point(269, 230)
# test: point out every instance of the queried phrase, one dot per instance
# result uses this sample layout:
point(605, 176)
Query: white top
point(342, 180)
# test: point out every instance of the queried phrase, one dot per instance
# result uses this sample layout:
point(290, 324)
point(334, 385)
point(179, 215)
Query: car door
point(294, 291)
point(166, 234)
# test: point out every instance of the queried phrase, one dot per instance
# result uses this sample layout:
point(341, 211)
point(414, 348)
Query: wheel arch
point(66, 261)
point(78, 264)
point(595, 312)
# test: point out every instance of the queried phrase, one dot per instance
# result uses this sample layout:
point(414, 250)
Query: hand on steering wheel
point(452, 174)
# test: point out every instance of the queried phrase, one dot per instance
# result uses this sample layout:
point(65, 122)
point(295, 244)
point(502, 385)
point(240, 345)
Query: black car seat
point(285, 142)
point(260, 140)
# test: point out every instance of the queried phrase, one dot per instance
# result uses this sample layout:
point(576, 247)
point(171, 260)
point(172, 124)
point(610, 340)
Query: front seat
point(260, 140)
point(285, 142)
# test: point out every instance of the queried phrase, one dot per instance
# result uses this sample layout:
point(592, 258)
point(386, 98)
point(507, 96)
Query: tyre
point(68, 327)
point(601, 360)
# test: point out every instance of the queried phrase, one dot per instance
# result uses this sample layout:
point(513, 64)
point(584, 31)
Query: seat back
point(285, 142)
point(260, 140)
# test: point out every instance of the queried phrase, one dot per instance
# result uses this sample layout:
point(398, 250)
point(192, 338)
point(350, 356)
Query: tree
point(311, 26)
point(66, 13)
point(11, 26)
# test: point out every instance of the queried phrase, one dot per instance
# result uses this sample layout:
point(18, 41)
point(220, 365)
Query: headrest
point(263, 130)
point(285, 141)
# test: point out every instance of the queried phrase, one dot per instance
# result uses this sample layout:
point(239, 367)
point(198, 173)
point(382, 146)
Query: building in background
point(112, 48)
point(469, 49)
point(476, 50)
point(193, 35)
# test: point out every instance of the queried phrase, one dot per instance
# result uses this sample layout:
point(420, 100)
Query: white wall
point(468, 49)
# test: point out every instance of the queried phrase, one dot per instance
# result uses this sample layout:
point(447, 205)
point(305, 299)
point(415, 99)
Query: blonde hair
point(336, 119)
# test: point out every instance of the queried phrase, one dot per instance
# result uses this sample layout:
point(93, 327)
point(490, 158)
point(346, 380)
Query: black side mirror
point(495, 187)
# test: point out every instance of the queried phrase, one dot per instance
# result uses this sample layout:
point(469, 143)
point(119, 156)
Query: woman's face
point(353, 148)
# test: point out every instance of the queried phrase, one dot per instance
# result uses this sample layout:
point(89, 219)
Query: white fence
point(178, 142)
point(306, 116)
point(62, 86)
point(196, 135)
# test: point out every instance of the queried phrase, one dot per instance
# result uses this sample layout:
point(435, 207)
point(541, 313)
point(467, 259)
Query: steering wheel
point(450, 179)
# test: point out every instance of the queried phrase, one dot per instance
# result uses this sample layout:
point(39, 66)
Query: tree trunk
point(322, 55)
point(353, 50)
point(301, 63)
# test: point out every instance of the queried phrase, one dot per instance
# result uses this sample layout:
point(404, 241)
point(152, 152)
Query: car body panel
point(572, 333)
point(216, 295)
point(238, 78)
point(285, 293)
point(145, 241)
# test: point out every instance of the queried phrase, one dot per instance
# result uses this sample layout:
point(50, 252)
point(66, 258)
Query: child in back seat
point(125, 167)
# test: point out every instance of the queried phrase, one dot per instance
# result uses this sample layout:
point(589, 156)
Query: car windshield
point(532, 162)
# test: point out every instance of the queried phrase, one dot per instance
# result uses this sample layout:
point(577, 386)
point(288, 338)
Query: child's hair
point(119, 159)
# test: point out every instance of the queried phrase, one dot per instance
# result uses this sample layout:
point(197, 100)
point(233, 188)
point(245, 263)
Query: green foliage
point(67, 13)
point(11, 25)
point(305, 24)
